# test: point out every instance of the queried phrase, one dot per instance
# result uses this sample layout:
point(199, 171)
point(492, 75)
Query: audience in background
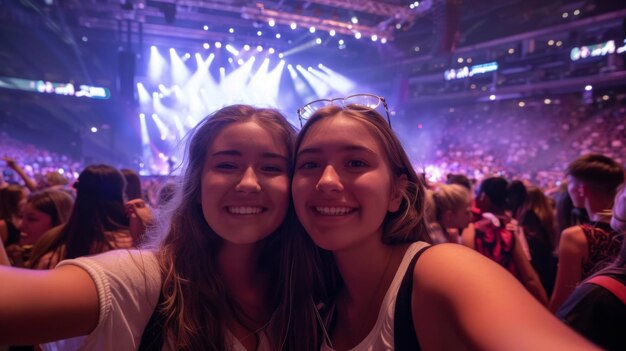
point(12, 199)
point(493, 238)
point(534, 143)
point(584, 249)
point(448, 210)
point(43, 210)
point(538, 222)
point(98, 221)
point(133, 185)
point(597, 308)
point(137, 209)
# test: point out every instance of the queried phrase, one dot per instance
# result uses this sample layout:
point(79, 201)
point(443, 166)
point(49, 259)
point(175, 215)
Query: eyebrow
point(238, 153)
point(318, 150)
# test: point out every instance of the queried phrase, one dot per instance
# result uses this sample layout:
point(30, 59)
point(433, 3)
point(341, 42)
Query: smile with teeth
point(245, 210)
point(334, 211)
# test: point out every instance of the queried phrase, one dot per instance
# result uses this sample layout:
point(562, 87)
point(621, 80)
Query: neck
point(238, 266)
point(365, 268)
point(601, 216)
point(599, 210)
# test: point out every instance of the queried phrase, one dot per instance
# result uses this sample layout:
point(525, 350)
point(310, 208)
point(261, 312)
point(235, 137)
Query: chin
point(328, 243)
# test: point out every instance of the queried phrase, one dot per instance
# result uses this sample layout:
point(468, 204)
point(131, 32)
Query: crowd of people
point(534, 142)
point(326, 238)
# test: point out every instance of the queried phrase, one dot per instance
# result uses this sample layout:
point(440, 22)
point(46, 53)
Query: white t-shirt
point(128, 283)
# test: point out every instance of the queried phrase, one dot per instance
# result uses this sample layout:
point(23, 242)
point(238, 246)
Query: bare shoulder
point(454, 271)
point(445, 268)
point(461, 300)
point(444, 259)
point(573, 239)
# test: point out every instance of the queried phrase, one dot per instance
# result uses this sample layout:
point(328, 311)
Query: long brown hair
point(408, 224)
point(538, 217)
point(98, 208)
point(195, 301)
point(55, 203)
point(10, 198)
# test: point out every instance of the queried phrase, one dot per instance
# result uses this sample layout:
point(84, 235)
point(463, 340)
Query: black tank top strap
point(152, 337)
point(404, 337)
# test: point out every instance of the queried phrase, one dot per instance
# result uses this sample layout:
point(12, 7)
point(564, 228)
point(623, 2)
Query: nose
point(249, 183)
point(329, 181)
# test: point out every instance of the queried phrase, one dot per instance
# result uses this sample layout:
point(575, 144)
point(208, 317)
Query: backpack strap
point(611, 284)
point(404, 337)
point(152, 337)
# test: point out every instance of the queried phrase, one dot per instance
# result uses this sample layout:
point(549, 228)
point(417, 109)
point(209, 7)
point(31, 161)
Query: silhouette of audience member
point(133, 184)
point(43, 211)
point(448, 210)
point(597, 308)
point(491, 237)
point(12, 199)
point(537, 220)
point(584, 249)
point(98, 221)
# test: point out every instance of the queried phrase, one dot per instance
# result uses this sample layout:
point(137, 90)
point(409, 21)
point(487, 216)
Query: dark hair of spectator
point(99, 207)
point(133, 184)
point(495, 189)
point(10, 198)
point(515, 196)
point(459, 179)
point(600, 171)
point(55, 203)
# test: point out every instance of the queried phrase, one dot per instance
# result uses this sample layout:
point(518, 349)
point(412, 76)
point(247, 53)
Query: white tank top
point(381, 336)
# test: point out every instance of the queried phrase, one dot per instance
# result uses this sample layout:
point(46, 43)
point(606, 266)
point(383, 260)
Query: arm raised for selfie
point(41, 306)
point(462, 300)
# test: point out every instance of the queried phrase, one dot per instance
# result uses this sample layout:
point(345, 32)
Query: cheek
point(279, 190)
point(299, 188)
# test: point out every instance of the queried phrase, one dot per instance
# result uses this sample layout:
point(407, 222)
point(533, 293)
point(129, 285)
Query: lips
point(333, 210)
point(245, 210)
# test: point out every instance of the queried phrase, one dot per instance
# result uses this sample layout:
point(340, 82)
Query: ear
point(398, 190)
point(582, 189)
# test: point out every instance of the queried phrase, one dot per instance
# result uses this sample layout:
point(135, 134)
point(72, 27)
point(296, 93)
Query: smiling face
point(245, 183)
point(342, 186)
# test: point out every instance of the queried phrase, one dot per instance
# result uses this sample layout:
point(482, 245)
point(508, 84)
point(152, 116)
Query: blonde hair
point(450, 197)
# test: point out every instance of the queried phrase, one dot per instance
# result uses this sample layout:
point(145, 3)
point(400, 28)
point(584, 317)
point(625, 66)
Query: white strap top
point(381, 336)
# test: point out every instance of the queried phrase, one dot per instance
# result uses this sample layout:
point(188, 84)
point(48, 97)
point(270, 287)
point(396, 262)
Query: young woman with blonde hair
point(451, 211)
